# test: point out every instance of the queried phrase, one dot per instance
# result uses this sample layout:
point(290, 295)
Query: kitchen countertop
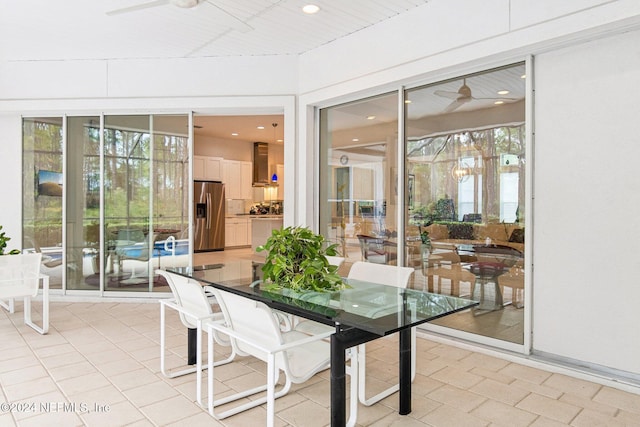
point(255, 216)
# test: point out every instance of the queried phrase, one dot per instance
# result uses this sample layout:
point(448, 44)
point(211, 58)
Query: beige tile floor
point(99, 366)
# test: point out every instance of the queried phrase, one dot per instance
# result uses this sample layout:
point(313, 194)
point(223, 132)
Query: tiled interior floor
point(99, 366)
point(104, 359)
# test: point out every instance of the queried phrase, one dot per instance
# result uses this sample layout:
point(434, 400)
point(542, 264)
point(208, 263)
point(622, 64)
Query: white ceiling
point(40, 30)
point(81, 29)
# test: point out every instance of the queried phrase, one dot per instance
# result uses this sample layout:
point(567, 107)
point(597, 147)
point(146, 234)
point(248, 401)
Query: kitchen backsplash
point(236, 206)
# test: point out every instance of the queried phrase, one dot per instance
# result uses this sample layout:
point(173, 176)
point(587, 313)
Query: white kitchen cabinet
point(207, 168)
point(237, 176)
point(246, 172)
point(231, 173)
point(237, 232)
point(261, 228)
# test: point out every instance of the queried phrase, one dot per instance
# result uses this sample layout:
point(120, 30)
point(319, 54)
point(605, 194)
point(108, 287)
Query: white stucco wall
point(11, 172)
point(587, 194)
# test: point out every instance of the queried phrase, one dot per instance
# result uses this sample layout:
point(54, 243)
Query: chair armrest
point(173, 305)
point(272, 350)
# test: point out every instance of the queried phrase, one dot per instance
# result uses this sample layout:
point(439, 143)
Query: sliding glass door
point(125, 190)
point(463, 212)
point(42, 164)
point(358, 191)
point(465, 156)
point(82, 207)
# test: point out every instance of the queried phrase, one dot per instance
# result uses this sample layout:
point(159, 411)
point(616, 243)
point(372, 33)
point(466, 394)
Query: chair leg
point(271, 385)
point(163, 350)
point(9, 305)
point(212, 403)
point(45, 308)
point(362, 374)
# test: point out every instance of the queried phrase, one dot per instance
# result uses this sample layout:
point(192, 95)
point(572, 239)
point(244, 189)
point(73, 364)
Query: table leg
point(340, 342)
point(405, 371)
point(338, 382)
point(192, 345)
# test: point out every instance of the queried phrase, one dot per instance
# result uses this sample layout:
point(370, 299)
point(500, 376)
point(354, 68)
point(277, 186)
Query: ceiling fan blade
point(496, 99)
point(455, 105)
point(447, 94)
point(138, 7)
point(232, 20)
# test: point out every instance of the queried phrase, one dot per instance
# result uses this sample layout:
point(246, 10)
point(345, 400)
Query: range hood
point(260, 164)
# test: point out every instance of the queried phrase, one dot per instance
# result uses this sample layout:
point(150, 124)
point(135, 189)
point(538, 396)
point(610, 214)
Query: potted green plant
point(3, 244)
point(425, 239)
point(297, 260)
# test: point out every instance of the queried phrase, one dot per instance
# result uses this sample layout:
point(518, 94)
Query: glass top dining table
point(360, 312)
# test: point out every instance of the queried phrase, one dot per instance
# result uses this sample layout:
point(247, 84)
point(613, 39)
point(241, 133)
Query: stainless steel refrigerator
point(208, 200)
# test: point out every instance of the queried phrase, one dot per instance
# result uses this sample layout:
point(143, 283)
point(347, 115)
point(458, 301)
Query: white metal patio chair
point(386, 275)
point(191, 301)
point(255, 330)
point(19, 278)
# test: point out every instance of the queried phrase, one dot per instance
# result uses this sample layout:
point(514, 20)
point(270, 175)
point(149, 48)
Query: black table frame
point(344, 338)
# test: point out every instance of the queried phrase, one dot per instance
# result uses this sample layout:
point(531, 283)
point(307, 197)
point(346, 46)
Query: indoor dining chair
point(254, 330)
point(192, 302)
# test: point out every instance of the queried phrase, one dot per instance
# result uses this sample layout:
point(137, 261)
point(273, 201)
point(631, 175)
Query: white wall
point(243, 76)
point(225, 148)
point(11, 167)
point(587, 194)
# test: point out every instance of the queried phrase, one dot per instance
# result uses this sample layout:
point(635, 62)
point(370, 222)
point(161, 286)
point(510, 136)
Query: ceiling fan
point(232, 20)
point(462, 96)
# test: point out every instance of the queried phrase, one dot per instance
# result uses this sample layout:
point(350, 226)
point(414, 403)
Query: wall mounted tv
point(49, 183)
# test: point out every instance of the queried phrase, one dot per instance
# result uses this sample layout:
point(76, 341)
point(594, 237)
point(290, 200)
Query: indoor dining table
point(360, 312)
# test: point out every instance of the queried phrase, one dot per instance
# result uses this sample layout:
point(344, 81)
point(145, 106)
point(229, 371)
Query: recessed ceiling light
point(371, 117)
point(524, 76)
point(407, 101)
point(499, 102)
point(310, 9)
point(355, 140)
point(260, 127)
point(503, 92)
point(234, 134)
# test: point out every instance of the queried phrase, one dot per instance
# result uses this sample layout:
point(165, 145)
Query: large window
point(465, 152)
point(463, 180)
point(125, 187)
point(358, 190)
point(42, 193)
